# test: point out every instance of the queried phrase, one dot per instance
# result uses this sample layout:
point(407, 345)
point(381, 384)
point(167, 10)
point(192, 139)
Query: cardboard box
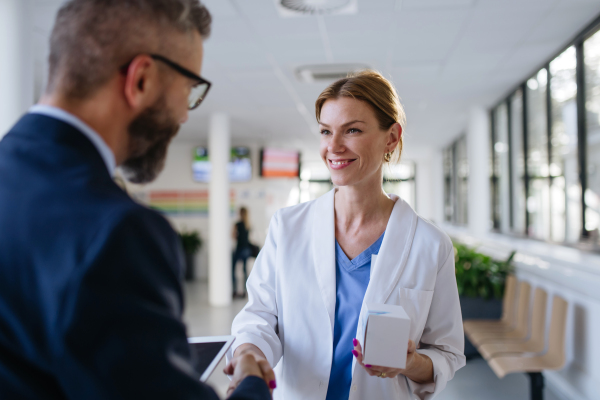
point(386, 333)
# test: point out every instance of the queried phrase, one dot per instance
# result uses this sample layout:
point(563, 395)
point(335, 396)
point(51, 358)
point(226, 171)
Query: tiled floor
point(476, 381)
point(204, 320)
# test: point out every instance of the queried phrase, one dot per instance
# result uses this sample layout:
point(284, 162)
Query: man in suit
point(90, 281)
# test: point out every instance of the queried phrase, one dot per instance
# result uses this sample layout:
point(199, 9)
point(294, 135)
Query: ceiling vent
point(326, 72)
point(294, 8)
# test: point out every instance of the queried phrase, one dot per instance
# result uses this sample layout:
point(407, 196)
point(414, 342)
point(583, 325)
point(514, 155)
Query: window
point(565, 188)
point(501, 169)
point(518, 210)
point(448, 184)
point(545, 153)
point(315, 181)
point(399, 179)
point(538, 199)
point(591, 51)
point(492, 168)
point(462, 181)
point(553, 150)
point(456, 182)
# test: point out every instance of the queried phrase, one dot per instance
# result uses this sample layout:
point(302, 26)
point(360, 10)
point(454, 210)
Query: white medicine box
point(386, 332)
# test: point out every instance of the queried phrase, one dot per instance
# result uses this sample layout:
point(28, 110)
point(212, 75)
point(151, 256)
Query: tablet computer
point(207, 352)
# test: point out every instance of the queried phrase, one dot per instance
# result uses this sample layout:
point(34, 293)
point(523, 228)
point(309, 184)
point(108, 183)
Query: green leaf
point(478, 275)
point(190, 241)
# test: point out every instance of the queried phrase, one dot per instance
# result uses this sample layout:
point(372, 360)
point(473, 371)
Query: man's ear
point(394, 135)
point(141, 82)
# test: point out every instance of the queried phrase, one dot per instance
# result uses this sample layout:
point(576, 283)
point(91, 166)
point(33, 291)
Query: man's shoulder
point(118, 210)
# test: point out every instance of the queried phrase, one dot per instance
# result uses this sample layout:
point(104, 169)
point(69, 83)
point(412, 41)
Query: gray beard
point(149, 137)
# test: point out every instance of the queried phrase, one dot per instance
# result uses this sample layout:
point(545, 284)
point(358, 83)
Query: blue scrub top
point(352, 279)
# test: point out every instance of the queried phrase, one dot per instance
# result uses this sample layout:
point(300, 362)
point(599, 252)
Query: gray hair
point(92, 39)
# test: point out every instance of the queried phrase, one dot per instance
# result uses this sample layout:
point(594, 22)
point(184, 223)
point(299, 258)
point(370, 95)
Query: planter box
point(478, 308)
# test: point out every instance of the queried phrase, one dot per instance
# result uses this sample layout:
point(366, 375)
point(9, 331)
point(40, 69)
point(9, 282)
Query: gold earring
point(387, 157)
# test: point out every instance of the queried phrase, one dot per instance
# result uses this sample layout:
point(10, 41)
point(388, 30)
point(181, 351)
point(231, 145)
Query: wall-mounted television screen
point(278, 163)
point(201, 165)
point(240, 165)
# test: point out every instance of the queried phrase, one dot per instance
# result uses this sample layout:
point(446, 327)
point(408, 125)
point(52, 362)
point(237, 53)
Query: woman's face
point(352, 144)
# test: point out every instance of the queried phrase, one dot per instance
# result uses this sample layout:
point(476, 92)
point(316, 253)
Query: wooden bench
point(521, 347)
point(508, 311)
point(536, 341)
point(518, 331)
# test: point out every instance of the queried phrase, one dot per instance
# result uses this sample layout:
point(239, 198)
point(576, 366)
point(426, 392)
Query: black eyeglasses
point(199, 90)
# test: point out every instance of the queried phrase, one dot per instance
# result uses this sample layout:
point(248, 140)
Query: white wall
point(16, 62)
point(262, 197)
point(579, 378)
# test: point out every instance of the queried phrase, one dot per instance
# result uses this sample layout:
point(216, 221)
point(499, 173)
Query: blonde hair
point(371, 87)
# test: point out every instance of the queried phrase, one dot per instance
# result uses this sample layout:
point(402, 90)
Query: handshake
point(249, 360)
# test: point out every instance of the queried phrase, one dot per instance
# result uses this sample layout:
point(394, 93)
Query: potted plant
point(480, 280)
point(191, 243)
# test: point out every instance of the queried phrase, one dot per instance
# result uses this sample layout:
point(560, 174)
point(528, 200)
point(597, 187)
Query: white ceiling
point(444, 56)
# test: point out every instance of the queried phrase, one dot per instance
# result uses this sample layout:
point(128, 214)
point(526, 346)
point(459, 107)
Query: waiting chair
point(508, 311)
point(535, 343)
point(553, 359)
point(520, 330)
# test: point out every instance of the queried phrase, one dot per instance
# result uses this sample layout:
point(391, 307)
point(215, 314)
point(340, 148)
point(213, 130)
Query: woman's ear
point(394, 135)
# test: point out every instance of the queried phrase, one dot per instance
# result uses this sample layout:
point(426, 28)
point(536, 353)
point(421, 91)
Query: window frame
point(453, 194)
point(578, 43)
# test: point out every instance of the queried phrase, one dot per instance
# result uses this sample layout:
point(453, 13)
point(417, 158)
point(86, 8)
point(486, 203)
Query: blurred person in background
point(243, 249)
point(324, 259)
point(90, 281)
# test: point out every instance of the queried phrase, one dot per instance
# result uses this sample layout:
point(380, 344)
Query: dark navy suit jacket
point(90, 293)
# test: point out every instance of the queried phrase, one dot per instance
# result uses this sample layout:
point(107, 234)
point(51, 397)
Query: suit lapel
point(323, 249)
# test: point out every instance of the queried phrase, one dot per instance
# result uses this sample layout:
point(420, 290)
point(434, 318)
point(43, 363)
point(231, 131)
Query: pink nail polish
point(354, 342)
point(368, 365)
point(272, 385)
point(355, 353)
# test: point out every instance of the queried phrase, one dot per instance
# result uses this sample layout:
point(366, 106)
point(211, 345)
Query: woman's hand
point(249, 360)
point(419, 367)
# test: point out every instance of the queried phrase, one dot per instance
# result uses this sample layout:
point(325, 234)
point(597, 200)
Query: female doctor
point(323, 260)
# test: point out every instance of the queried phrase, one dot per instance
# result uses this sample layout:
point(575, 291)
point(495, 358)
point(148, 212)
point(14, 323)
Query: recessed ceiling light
point(326, 72)
point(289, 8)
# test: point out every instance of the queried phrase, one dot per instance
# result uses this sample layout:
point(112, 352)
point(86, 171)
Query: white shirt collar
point(61, 115)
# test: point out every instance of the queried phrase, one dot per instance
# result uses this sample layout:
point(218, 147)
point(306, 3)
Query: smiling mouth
point(340, 163)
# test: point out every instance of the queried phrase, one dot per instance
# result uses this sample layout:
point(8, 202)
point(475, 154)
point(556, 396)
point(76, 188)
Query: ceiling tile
point(268, 27)
point(220, 8)
point(412, 4)
point(376, 6)
point(256, 9)
point(375, 23)
point(557, 26)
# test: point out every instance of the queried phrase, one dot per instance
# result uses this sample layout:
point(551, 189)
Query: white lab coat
point(292, 294)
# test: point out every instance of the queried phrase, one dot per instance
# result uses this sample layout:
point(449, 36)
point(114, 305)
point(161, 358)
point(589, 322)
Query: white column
point(478, 139)
point(219, 255)
point(16, 62)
